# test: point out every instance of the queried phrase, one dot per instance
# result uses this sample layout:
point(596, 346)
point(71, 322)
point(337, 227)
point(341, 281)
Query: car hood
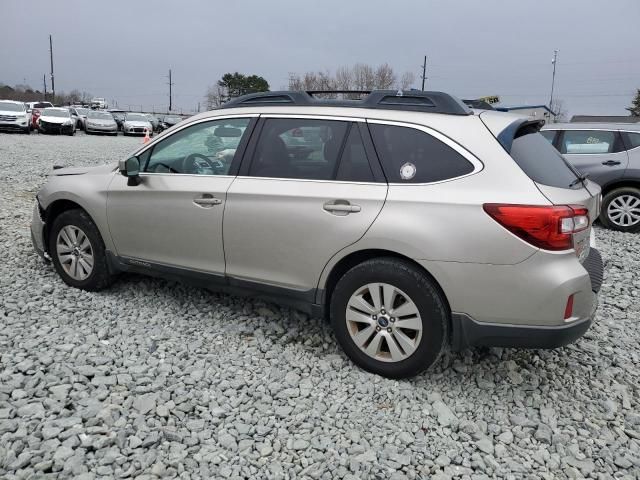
point(99, 170)
point(59, 120)
point(11, 112)
point(136, 123)
point(101, 121)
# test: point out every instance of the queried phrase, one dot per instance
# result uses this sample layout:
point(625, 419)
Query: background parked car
point(14, 116)
point(98, 102)
point(610, 155)
point(169, 121)
point(118, 116)
point(57, 120)
point(35, 108)
point(155, 123)
point(81, 113)
point(99, 121)
point(136, 124)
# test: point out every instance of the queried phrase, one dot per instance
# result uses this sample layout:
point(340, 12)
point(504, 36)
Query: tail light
point(547, 227)
point(568, 310)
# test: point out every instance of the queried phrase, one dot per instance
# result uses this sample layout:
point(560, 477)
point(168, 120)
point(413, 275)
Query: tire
point(621, 209)
point(409, 283)
point(98, 277)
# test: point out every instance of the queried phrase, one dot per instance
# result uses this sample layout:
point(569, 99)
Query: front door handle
point(207, 200)
point(341, 207)
point(611, 163)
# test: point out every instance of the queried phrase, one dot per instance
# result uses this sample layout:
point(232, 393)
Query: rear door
point(598, 153)
point(306, 190)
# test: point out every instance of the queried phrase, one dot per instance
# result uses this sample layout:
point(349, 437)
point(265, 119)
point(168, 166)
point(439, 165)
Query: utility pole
point(170, 94)
point(44, 82)
point(53, 84)
point(424, 72)
point(554, 61)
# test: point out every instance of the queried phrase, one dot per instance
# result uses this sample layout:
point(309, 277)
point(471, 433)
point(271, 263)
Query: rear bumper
point(468, 332)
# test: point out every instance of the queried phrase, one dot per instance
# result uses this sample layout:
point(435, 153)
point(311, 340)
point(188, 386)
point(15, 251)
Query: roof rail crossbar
point(411, 100)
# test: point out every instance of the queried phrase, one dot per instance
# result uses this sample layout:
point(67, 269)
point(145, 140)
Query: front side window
point(409, 155)
point(207, 148)
point(589, 142)
point(298, 148)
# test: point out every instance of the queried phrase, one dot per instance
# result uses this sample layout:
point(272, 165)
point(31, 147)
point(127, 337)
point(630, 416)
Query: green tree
point(236, 84)
point(635, 105)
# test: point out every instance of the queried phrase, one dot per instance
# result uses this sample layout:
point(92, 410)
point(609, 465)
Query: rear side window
point(584, 142)
point(541, 162)
point(549, 135)
point(354, 165)
point(298, 148)
point(409, 155)
point(634, 140)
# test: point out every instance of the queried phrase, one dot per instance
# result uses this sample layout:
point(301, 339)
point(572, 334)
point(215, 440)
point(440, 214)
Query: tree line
point(356, 77)
point(25, 93)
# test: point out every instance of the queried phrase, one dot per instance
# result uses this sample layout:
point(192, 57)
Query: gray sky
point(122, 49)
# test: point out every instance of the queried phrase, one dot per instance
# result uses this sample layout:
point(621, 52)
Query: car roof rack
point(409, 100)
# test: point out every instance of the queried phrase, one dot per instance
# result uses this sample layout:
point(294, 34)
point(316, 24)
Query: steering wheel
point(196, 162)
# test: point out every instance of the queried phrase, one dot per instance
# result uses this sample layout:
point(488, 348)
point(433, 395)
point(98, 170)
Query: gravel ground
point(154, 379)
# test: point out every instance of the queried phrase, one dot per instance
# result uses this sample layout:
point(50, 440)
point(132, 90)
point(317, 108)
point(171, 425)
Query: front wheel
point(621, 209)
point(78, 252)
point(389, 317)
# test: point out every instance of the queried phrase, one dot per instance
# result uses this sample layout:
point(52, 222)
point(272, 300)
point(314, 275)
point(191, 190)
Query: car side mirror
point(130, 168)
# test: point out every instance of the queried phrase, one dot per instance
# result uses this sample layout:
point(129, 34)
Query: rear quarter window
point(541, 161)
point(409, 155)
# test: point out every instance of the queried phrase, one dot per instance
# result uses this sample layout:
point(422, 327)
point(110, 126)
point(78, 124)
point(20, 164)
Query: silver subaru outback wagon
point(412, 222)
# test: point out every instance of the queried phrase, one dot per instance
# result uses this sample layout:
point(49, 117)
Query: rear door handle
point(207, 201)
point(611, 163)
point(341, 207)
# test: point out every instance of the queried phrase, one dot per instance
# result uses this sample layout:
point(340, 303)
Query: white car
point(14, 116)
point(98, 102)
point(57, 120)
point(136, 124)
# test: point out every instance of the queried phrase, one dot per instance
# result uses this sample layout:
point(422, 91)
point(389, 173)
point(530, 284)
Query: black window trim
point(235, 165)
point(478, 165)
point(352, 122)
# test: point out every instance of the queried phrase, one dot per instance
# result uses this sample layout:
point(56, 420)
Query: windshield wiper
point(581, 178)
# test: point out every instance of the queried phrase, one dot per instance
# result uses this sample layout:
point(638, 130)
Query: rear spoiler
point(506, 127)
point(517, 129)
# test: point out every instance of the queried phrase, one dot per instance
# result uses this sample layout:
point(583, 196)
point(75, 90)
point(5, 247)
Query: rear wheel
point(78, 252)
point(389, 317)
point(621, 209)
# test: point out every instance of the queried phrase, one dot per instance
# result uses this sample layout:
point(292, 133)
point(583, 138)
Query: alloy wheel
point(384, 322)
point(75, 252)
point(624, 210)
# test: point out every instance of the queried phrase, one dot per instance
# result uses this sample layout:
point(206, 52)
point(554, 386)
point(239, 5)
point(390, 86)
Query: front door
point(599, 153)
point(174, 217)
point(308, 193)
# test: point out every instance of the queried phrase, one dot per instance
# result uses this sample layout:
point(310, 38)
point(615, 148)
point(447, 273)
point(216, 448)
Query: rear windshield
point(541, 161)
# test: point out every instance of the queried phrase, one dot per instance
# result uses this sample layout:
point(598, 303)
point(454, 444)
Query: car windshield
point(100, 115)
point(11, 107)
point(82, 111)
point(50, 112)
point(136, 117)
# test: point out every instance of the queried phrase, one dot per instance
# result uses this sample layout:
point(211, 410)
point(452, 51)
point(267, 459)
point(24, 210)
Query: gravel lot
point(154, 379)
